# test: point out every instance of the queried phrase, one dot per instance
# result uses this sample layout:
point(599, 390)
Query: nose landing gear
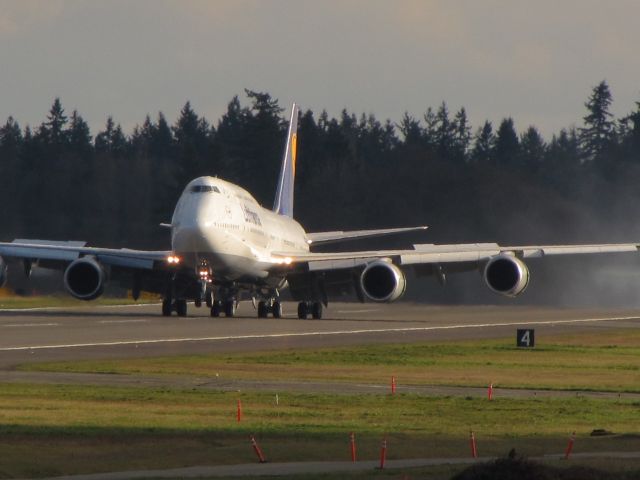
point(227, 302)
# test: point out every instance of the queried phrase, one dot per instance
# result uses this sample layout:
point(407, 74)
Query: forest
point(468, 183)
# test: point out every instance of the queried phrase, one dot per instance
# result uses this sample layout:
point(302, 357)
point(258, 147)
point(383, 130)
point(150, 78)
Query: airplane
point(225, 246)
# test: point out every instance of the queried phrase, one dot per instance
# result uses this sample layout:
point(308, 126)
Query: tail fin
point(283, 204)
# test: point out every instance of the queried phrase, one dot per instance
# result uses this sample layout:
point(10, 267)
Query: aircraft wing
point(439, 254)
point(377, 275)
point(64, 252)
point(323, 238)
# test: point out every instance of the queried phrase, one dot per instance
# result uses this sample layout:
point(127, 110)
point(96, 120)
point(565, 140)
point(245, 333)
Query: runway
point(134, 331)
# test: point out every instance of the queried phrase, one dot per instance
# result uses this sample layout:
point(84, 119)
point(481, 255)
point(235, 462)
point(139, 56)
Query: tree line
point(488, 183)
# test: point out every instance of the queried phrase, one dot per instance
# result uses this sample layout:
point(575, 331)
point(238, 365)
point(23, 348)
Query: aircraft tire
point(215, 309)
point(166, 307)
point(230, 308)
point(316, 310)
point(181, 307)
point(262, 310)
point(302, 310)
point(277, 310)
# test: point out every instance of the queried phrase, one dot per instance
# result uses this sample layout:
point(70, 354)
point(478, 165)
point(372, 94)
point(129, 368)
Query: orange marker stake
point(572, 440)
point(239, 410)
point(383, 453)
point(490, 391)
point(393, 385)
point(352, 441)
point(474, 447)
point(257, 449)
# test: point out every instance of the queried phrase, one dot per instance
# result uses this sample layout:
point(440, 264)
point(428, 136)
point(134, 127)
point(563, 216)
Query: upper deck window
point(204, 188)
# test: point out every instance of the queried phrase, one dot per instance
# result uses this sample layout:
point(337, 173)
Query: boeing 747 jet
point(226, 247)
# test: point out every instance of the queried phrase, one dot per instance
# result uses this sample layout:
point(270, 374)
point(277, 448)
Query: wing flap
point(323, 238)
point(42, 249)
point(536, 252)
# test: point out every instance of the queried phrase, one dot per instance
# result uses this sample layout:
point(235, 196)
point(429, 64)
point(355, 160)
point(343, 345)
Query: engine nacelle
point(3, 272)
point(383, 282)
point(85, 279)
point(506, 275)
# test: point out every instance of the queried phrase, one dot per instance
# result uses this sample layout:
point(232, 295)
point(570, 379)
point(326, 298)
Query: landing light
point(173, 260)
point(282, 260)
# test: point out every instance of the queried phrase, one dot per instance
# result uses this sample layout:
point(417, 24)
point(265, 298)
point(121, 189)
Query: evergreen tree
point(411, 130)
point(444, 132)
point(562, 161)
point(532, 148)
point(10, 149)
point(431, 128)
point(161, 138)
point(598, 132)
point(111, 139)
point(266, 132)
point(506, 150)
point(53, 132)
point(79, 135)
point(190, 133)
point(231, 139)
point(10, 139)
point(630, 135)
point(483, 144)
point(461, 135)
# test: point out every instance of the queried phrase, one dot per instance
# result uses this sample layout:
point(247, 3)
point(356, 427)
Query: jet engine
point(382, 281)
point(85, 279)
point(3, 272)
point(506, 275)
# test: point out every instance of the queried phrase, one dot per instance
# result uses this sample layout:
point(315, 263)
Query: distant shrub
point(519, 468)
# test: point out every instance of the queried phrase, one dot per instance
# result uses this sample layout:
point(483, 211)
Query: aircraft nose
point(190, 238)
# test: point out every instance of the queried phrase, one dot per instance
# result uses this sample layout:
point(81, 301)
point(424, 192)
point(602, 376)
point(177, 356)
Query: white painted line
point(359, 311)
point(30, 325)
point(315, 334)
point(73, 308)
point(141, 320)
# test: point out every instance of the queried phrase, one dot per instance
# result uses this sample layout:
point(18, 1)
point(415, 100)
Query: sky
point(536, 61)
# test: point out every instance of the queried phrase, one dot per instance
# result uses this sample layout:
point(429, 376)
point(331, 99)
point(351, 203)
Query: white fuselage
point(219, 224)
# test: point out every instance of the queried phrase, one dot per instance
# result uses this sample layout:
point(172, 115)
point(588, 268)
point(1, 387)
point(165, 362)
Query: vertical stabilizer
point(283, 204)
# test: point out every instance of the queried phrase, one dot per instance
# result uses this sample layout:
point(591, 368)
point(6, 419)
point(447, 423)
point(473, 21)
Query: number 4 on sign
point(525, 338)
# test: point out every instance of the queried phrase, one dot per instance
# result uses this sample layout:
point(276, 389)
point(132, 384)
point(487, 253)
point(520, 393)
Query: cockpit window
point(204, 188)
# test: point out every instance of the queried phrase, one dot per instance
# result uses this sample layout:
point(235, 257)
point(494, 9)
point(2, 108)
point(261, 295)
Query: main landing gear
point(179, 305)
point(310, 308)
point(228, 307)
point(273, 307)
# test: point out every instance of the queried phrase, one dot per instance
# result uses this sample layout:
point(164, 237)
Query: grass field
point(608, 361)
point(78, 429)
point(56, 429)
